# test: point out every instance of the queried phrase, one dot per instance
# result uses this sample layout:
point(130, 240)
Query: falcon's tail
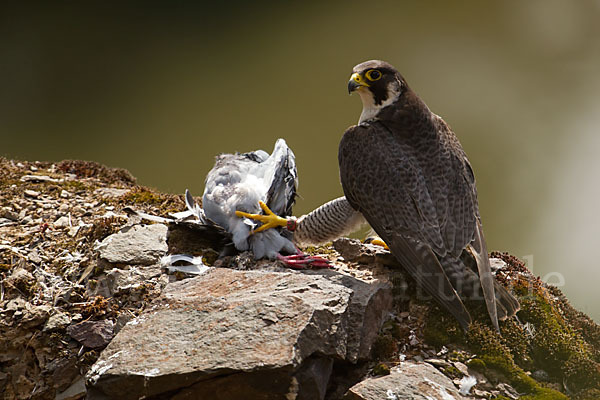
point(506, 304)
point(421, 262)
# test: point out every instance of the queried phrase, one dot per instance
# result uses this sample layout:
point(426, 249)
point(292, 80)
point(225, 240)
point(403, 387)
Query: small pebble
point(32, 193)
point(462, 368)
point(61, 222)
point(64, 194)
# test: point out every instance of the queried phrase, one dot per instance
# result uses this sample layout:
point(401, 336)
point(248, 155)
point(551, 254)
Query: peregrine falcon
point(405, 171)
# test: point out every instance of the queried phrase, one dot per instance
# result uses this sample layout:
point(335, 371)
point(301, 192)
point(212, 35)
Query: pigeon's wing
point(282, 190)
point(387, 186)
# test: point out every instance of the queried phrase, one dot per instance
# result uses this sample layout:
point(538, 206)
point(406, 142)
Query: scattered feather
point(466, 383)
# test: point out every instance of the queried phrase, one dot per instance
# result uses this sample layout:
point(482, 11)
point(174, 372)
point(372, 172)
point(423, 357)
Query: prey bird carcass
point(240, 184)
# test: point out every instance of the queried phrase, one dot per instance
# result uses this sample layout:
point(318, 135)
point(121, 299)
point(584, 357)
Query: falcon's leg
point(326, 223)
point(269, 219)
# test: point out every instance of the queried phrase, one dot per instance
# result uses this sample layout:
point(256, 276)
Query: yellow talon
point(270, 220)
point(379, 242)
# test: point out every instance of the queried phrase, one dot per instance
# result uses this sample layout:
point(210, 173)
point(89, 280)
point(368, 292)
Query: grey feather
point(237, 183)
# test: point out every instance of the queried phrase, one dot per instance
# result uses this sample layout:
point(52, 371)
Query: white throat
point(370, 109)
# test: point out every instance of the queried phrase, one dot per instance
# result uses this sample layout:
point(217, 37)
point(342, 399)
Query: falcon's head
point(378, 84)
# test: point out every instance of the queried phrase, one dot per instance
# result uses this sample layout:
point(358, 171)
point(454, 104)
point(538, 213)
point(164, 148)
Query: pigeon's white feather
point(237, 183)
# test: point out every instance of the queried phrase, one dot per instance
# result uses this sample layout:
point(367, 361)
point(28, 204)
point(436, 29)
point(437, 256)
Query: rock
point(126, 280)
point(38, 179)
point(92, 334)
point(508, 391)
point(243, 334)
point(355, 251)
point(57, 322)
point(9, 214)
point(111, 192)
point(540, 375)
point(61, 222)
point(74, 392)
point(21, 280)
point(462, 368)
point(31, 193)
point(64, 194)
point(497, 264)
point(142, 244)
point(438, 362)
point(408, 380)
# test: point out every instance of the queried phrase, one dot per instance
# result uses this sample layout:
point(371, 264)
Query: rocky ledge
point(87, 311)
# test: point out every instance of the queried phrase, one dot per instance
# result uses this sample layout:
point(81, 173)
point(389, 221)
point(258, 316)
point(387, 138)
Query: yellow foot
point(270, 220)
point(379, 242)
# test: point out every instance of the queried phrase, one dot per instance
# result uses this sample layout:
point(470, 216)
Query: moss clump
point(496, 355)
point(441, 328)
point(381, 369)
point(103, 227)
point(89, 169)
point(384, 347)
point(143, 196)
point(452, 372)
point(545, 394)
point(75, 186)
point(327, 248)
point(590, 394)
point(477, 364)
point(209, 257)
point(557, 348)
point(517, 340)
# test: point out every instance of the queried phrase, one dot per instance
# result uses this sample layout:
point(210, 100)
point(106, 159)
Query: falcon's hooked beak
point(356, 82)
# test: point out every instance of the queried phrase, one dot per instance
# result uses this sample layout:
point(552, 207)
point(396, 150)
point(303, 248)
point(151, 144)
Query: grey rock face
point(142, 244)
point(407, 381)
point(274, 334)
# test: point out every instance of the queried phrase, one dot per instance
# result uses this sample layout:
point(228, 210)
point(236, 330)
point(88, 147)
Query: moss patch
point(147, 199)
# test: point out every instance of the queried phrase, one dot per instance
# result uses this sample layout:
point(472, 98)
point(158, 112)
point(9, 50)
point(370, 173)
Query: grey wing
point(457, 209)
point(393, 198)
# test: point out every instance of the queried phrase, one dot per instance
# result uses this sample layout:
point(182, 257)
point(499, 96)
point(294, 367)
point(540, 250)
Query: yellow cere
point(359, 79)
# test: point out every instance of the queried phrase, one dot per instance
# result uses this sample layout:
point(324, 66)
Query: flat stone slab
point(407, 381)
point(268, 329)
point(141, 244)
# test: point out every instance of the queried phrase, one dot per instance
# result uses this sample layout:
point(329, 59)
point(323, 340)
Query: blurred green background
point(161, 88)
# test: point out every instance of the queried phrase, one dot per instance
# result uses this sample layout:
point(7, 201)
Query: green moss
point(76, 186)
point(142, 196)
point(441, 328)
point(498, 357)
point(452, 372)
point(477, 364)
point(544, 394)
point(209, 257)
point(327, 248)
point(517, 340)
point(590, 394)
point(381, 369)
point(557, 348)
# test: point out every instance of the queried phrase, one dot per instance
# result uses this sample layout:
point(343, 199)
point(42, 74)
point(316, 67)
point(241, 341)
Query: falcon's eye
point(373, 75)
